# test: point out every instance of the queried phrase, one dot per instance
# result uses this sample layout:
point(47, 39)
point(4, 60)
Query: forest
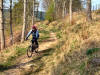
point(68, 41)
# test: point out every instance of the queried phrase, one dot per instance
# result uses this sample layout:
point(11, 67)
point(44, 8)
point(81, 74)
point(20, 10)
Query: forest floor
point(67, 50)
point(25, 65)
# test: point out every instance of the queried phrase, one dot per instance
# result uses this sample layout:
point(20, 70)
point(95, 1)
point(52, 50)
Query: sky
point(41, 6)
point(95, 3)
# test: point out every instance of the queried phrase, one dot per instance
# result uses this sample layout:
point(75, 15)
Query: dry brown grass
point(69, 56)
point(79, 38)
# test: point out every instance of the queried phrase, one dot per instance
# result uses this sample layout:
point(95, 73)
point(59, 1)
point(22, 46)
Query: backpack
point(35, 34)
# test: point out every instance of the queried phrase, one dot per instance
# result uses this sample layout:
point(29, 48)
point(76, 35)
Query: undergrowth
point(80, 48)
point(11, 60)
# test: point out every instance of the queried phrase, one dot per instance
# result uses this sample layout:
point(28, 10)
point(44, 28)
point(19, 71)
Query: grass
point(76, 28)
point(82, 68)
point(44, 33)
point(44, 38)
point(39, 61)
point(71, 44)
point(20, 51)
point(77, 38)
point(6, 51)
point(76, 61)
point(11, 60)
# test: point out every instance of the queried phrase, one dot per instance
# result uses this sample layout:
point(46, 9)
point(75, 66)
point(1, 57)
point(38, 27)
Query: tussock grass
point(81, 45)
point(77, 46)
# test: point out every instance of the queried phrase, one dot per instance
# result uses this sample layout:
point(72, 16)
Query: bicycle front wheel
point(29, 51)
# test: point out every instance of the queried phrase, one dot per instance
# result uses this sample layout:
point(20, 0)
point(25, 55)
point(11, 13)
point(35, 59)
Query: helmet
point(34, 27)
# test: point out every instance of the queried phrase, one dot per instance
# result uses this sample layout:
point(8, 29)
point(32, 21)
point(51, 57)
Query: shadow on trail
point(35, 59)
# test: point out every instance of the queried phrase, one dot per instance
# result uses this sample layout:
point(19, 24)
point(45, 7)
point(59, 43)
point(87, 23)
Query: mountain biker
point(35, 35)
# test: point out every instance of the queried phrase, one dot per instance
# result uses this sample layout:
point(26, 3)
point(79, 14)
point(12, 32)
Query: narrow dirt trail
point(25, 63)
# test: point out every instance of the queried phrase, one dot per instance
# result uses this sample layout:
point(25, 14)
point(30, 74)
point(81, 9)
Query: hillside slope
point(74, 50)
point(81, 51)
point(25, 65)
point(14, 60)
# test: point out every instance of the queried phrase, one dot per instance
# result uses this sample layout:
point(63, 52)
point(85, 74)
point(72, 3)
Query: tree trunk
point(89, 16)
point(70, 11)
point(2, 26)
point(63, 13)
point(37, 13)
point(11, 32)
point(55, 8)
point(33, 13)
point(24, 22)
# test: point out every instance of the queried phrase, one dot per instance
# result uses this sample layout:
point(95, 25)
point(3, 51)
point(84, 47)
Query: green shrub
point(91, 51)
point(50, 12)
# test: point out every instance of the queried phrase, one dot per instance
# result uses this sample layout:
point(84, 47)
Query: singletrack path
point(24, 63)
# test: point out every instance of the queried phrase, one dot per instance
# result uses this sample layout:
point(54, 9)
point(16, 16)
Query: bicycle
point(31, 48)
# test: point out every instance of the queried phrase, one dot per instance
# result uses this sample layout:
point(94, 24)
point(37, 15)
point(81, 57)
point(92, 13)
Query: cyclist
point(35, 35)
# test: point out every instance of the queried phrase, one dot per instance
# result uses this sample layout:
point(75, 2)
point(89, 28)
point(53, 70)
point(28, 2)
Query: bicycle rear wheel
point(29, 51)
